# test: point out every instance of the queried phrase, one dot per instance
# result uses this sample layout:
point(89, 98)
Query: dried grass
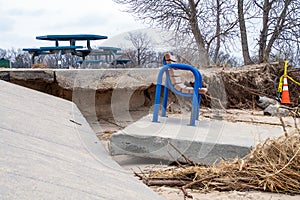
point(39, 65)
point(273, 166)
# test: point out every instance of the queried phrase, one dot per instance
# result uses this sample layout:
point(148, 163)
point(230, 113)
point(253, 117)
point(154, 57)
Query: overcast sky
point(23, 20)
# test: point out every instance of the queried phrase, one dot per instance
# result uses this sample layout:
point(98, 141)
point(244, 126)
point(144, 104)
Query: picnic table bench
point(50, 50)
point(60, 48)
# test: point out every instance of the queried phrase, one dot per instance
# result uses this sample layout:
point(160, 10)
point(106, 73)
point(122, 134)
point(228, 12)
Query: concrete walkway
point(48, 151)
point(206, 143)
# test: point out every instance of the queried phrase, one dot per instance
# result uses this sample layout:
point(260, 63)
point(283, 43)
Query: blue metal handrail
point(196, 97)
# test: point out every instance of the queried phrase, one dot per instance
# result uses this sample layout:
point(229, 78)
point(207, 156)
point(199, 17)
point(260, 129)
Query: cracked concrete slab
point(49, 151)
point(207, 143)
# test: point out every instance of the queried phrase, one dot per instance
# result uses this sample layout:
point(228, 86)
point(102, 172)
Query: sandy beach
point(137, 164)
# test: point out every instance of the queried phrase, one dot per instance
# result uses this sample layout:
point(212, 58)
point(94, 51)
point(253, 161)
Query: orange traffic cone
point(285, 97)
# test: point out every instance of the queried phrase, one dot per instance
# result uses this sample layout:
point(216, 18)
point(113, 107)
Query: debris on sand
point(273, 166)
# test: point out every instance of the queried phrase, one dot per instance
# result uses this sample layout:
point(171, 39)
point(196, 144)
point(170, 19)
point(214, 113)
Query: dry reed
point(272, 166)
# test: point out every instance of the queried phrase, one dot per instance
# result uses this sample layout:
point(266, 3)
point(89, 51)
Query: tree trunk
point(243, 31)
point(278, 30)
point(218, 31)
point(204, 59)
point(139, 56)
point(264, 33)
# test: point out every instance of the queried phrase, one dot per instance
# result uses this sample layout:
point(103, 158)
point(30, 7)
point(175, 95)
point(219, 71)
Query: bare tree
point(18, 58)
point(50, 60)
point(280, 18)
point(3, 53)
point(221, 25)
point(22, 60)
point(141, 43)
point(188, 17)
point(69, 61)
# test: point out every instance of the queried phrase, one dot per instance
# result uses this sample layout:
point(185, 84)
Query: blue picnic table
point(105, 54)
point(73, 49)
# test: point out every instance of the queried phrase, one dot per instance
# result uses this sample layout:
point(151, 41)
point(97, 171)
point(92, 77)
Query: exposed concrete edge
point(48, 75)
point(199, 152)
point(95, 79)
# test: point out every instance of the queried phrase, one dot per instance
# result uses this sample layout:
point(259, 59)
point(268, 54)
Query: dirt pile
point(244, 84)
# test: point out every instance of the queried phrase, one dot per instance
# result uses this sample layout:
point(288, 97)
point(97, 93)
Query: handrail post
point(157, 95)
point(195, 102)
point(165, 99)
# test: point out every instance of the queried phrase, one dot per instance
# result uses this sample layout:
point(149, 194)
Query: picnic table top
point(71, 37)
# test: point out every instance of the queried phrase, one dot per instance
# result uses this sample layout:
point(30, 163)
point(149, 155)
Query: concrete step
point(207, 143)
